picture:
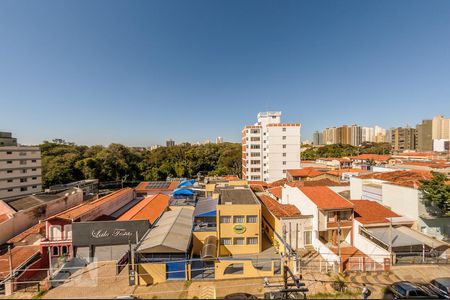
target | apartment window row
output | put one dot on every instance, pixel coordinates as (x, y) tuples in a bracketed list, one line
[(22, 171), (255, 139), (22, 161), (255, 154), (254, 177), (255, 170), (239, 241), (255, 162), (255, 147), (239, 219), (23, 189)]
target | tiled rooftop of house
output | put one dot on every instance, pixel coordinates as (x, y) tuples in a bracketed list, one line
[(370, 212), (375, 157), (149, 186), (276, 191), (342, 171), (20, 255), (150, 208), (320, 182), (305, 172), (324, 198), (39, 228), (410, 178), (430, 164), (277, 209), (82, 209)]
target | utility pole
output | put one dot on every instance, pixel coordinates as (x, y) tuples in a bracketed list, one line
[(10, 262)]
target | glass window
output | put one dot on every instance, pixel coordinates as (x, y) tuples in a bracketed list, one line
[(239, 241), (284, 146), (284, 137), (55, 251), (9, 171), (225, 241), (238, 219), (23, 189), (9, 162), (252, 241), (225, 219), (252, 219)]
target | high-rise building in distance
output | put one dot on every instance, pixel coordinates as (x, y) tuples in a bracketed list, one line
[(403, 138), (170, 143), (424, 136), (20, 169), (269, 148)]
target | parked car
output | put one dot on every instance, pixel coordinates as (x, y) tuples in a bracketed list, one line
[(409, 290), (441, 287)]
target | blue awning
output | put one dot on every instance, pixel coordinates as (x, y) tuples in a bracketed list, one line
[(186, 183), (183, 192)]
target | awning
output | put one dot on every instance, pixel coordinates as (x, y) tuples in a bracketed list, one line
[(209, 250), (183, 192), (187, 183)]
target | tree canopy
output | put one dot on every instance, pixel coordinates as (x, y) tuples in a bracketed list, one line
[(341, 150), (436, 194), (64, 162)]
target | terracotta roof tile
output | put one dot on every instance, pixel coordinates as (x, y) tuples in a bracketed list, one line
[(277, 209), (38, 228), (369, 212), (20, 255), (342, 171), (375, 157), (276, 191), (324, 198), (83, 208), (320, 182), (150, 208), (279, 182), (305, 172), (410, 178), (3, 218)]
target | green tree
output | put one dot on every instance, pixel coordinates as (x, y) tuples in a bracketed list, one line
[(436, 194)]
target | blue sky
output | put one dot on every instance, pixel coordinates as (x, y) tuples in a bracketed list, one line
[(140, 72)]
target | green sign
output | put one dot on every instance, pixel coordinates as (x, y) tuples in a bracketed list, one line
[(239, 229)]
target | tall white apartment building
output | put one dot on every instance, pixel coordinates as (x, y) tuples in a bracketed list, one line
[(368, 134), (20, 171), (441, 128), (269, 148)]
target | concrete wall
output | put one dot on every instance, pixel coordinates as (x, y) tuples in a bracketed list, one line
[(356, 188), (366, 246), (225, 230), (249, 271), (22, 220), (151, 273)]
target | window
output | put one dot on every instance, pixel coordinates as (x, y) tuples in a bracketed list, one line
[(255, 154), (33, 169), (284, 171), (255, 139), (255, 177), (254, 131), (9, 152), (255, 169), (55, 232), (284, 129), (23, 162), (23, 189), (239, 241), (307, 237), (9, 171), (284, 162), (238, 219), (225, 241), (55, 251), (33, 178), (23, 180), (284, 154), (252, 219), (68, 231), (255, 147), (284, 146), (64, 250), (33, 160), (34, 186), (255, 162), (22, 153), (284, 137), (252, 241), (225, 219), (10, 180), (9, 161), (10, 190), (24, 171)]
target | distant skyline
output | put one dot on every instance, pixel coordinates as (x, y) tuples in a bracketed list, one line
[(141, 72)]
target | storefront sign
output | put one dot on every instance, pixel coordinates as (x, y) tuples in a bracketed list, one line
[(105, 233), (239, 228)]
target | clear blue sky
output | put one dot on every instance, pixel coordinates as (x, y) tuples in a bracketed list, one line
[(140, 72)]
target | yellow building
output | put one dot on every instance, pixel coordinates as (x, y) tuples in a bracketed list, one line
[(238, 217)]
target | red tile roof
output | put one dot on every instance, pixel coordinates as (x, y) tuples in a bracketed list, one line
[(276, 191), (433, 165), (342, 171), (369, 212), (20, 255), (325, 198), (375, 157), (261, 183), (279, 182), (150, 208), (320, 182), (277, 209), (305, 172), (142, 186), (3, 218), (38, 228), (410, 178), (81, 209)]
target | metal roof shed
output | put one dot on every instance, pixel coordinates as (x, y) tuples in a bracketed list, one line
[(171, 234)]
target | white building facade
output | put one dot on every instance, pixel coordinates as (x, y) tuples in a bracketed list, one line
[(269, 148)]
